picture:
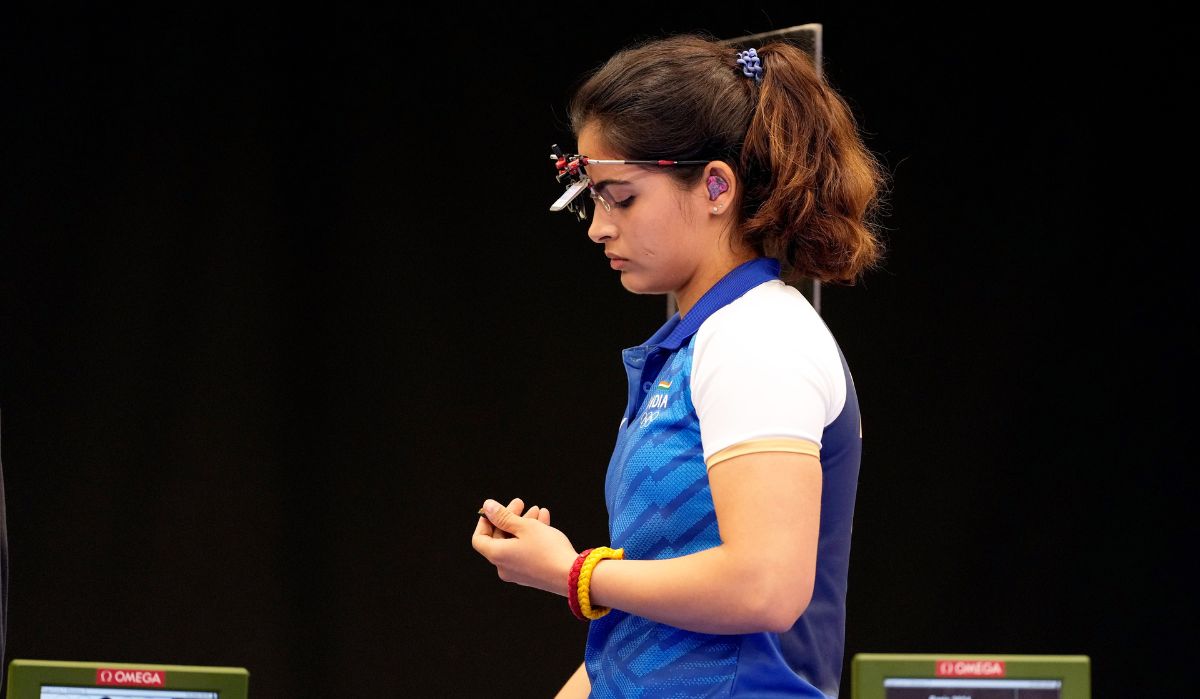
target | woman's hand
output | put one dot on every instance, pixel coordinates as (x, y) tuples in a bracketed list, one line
[(517, 506), (525, 550)]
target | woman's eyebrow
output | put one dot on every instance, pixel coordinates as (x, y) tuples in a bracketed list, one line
[(605, 183)]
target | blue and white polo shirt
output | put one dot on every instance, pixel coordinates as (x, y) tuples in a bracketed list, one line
[(752, 367)]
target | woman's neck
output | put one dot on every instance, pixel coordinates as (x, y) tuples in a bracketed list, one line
[(707, 278)]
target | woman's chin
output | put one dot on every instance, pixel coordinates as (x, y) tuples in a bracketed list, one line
[(639, 286)]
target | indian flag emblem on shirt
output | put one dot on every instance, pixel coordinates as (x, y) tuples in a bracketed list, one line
[(664, 384)]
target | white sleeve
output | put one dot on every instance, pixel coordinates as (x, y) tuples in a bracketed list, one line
[(765, 367)]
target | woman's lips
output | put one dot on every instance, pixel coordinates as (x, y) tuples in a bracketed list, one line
[(616, 262)]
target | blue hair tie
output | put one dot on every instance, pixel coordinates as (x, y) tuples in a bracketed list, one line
[(751, 64)]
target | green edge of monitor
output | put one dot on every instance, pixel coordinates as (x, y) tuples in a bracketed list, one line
[(869, 670), (26, 677)]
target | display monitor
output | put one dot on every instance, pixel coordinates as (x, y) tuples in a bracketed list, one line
[(969, 676), (64, 679)]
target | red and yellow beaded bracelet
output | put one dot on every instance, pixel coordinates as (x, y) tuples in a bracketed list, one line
[(579, 581)]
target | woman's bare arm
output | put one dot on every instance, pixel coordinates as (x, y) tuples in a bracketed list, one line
[(577, 687), (760, 578)]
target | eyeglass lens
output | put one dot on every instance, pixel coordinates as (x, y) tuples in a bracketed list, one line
[(598, 196)]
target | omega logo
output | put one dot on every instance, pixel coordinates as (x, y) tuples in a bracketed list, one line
[(136, 678)]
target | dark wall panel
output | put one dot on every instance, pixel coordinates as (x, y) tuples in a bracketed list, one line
[(281, 303)]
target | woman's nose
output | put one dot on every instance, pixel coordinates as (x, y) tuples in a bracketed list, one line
[(600, 230)]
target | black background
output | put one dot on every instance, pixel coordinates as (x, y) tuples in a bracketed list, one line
[(281, 303)]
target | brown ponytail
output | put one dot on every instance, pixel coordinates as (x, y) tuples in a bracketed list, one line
[(811, 186)]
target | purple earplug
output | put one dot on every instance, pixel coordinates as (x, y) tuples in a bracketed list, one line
[(716, 185)]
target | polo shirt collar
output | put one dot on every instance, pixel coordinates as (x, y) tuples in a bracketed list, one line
[(676, 331)]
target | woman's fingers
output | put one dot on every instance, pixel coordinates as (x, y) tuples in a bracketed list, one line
[(517, 506), (541, 514), (483, 527)]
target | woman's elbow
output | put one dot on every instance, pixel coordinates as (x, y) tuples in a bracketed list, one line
[(784, 615), (779, 601)]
